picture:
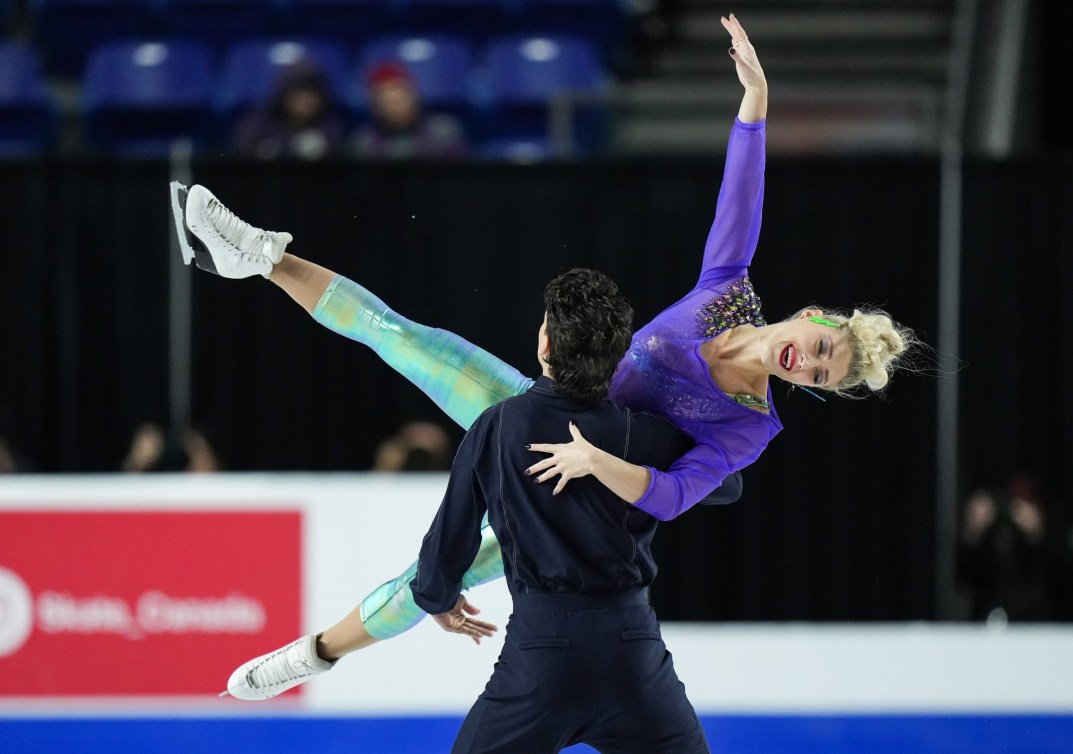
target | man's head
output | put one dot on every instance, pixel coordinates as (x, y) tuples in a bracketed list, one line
[(586, 331)]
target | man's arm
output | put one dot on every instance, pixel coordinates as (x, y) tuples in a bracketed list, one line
[(454, 538)]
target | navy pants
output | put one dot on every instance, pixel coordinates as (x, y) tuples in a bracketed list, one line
[(583, 668)]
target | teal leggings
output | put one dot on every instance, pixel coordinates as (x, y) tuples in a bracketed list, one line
[(462, 379)]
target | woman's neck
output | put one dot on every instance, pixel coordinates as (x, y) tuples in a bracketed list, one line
[(734, 358)]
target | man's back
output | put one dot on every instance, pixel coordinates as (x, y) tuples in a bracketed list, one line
[(583, 540), (583, 659)]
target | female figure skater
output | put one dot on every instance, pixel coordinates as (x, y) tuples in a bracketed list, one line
[(704, 364)]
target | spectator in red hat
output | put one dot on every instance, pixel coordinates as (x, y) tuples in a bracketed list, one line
[(399, 128)]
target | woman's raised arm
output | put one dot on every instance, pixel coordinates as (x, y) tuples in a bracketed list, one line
[(754, 104), (736, 229)]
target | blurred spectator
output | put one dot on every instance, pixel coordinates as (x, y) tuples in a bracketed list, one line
[(150, 450), (1006, 562), (300, 120), (399, 128), (418, 446), (10, 461)]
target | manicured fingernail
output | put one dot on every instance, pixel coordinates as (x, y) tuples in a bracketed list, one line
[(528, 447), (527, 472), (732, 51)]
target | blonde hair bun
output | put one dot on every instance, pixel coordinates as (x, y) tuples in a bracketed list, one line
[(877, 342)]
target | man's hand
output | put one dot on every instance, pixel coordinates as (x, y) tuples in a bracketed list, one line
[(456, 621), (571, 460)]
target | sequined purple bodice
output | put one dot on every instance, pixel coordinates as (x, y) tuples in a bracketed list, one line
[(664, 373)]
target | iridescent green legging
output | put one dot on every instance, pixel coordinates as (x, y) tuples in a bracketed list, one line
[(462, 379)]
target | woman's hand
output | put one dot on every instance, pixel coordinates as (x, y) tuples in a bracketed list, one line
[(570, 460), (579, 458), (754, 103), (750, 73)]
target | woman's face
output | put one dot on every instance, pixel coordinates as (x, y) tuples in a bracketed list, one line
[(807, 353)]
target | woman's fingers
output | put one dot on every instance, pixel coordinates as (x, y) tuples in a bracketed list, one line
[(541, 465), (543, 447), (733, 27), (558, 470), (554, 471), (738, 27)]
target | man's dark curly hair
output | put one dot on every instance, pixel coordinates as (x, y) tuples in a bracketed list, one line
[(589, 327)]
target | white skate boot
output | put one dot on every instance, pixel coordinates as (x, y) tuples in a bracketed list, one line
[(217, 240), (271, 674)]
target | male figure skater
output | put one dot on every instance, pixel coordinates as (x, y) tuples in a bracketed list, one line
[(583, 659)]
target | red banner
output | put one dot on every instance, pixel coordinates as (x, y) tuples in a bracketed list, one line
[(143, 602)]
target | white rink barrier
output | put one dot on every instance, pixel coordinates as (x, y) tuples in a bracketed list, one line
[(167, 567)]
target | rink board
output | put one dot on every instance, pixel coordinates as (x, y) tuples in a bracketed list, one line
[(105, 650)]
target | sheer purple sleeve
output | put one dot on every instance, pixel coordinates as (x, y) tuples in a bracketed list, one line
[(728, 448), (689, 480), (732, 239)]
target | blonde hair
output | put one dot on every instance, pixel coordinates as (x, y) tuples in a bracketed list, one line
[(876, 343)]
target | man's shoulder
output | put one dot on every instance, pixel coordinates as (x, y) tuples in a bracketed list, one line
[(494, 413)]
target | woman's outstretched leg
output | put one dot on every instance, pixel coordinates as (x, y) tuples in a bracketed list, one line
[(390, 610), (461, 378), (302, 280)]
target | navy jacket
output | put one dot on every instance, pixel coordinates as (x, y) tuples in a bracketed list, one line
[(585, 539)]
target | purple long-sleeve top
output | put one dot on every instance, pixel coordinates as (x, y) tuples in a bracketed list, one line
[(664, 373)]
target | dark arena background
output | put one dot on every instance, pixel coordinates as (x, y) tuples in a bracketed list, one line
[(853, 600)]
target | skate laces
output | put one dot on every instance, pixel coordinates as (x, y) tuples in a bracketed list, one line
[(234, 229), (279, 669)]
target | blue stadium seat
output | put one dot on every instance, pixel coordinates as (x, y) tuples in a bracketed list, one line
[(139, 97), (522, 151), (217, 21), (440, 67), (251, 69), (476, 20), (348, 21), (599, 21), (525, 73), (27, 118), (66, 30)]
